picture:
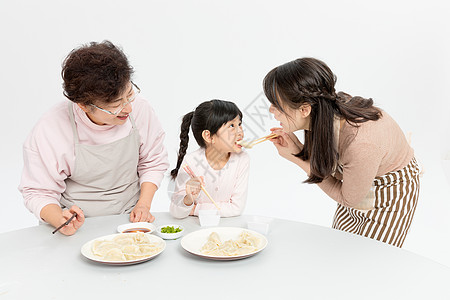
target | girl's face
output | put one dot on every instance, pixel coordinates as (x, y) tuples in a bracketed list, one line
[(293, 119), (98, 115), (226, 137)]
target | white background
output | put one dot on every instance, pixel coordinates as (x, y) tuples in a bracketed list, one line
[(187, 52)]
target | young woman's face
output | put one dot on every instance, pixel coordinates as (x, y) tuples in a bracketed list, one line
[(226, 137), (97, 114), (292, 120)]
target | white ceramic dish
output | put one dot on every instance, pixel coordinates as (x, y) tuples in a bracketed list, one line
[(208, 217), (86, 251), (170, 236), (194, 241), (138, 226)]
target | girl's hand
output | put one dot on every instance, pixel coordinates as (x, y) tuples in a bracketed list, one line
[(141, 213), (193, 188), (287, 144), (76, 222)]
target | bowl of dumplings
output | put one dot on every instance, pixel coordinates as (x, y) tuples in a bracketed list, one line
[(123, 248)]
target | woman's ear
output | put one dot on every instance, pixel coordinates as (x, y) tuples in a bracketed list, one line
[(305, 110), (206, 135)]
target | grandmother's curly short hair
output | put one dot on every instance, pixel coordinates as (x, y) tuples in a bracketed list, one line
[(95, 72)]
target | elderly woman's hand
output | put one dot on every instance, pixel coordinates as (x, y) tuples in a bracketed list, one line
[(141, 213), (76, 222)]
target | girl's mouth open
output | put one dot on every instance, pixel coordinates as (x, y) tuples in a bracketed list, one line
[(122, 117)]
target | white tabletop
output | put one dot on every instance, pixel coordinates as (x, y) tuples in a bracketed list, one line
[(301, 261)]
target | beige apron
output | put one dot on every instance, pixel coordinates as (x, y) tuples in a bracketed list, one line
[(104, 180)]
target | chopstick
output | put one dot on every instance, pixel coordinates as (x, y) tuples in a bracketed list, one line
[(264, 138), (191, 173), (65, 223)]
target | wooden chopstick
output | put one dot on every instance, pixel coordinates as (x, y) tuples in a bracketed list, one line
[(191, 173), (65, 223), (209, 196), (264, 138)]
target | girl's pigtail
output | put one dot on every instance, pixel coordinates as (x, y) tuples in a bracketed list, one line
[(184, 142)]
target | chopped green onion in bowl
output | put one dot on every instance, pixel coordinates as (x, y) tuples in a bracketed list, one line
[(170, 229)]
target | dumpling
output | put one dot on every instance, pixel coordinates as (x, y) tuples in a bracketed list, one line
[(249, 239), (214, 238), (100, 248), (149, 249), (246, 243), (141, 238), (124, 239), (131, 249), (127, 246), (114, 254)]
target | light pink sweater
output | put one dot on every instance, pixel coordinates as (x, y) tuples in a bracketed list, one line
[(373, 149), (49, 150), (228, 186)]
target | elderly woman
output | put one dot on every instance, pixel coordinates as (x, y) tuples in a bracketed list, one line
[(102, 152)]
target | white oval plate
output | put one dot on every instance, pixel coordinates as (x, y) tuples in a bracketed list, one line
[(136, 226), (194, 241), (86, 250)]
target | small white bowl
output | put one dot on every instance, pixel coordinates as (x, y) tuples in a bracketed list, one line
[(136, 227), (208, 217), (259, 223), (170, 236)]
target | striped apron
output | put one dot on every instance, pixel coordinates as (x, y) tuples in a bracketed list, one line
[(396, 194)]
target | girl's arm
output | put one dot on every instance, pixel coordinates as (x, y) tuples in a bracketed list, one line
[(180, 204)]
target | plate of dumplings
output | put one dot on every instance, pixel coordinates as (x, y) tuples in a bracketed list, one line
[(123, 248)]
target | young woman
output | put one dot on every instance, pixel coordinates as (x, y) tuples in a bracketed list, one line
[(355, 152), (100, 153), (219, 163)]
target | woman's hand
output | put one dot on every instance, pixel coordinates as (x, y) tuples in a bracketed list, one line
[(193, 188), (287, 144), (76, 222), (141, 213)]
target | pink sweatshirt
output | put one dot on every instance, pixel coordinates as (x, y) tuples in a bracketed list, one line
[(228, 186), (49, 155)]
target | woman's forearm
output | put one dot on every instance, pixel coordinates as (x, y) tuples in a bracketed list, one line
[(305, 165), (52, 214), (148, 190)]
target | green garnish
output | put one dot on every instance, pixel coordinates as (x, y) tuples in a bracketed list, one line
[(170, 229)]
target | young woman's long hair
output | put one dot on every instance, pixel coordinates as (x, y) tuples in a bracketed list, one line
[(209, 115), (310, 81)]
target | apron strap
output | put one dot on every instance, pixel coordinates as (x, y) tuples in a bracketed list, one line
[(72, 122), (132, 122)]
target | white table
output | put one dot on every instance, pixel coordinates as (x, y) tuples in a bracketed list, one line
[(301, 261)]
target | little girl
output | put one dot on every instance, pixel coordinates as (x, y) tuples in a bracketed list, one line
[(219, 163)]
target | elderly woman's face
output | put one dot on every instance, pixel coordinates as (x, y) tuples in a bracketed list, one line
[(108, 113)]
